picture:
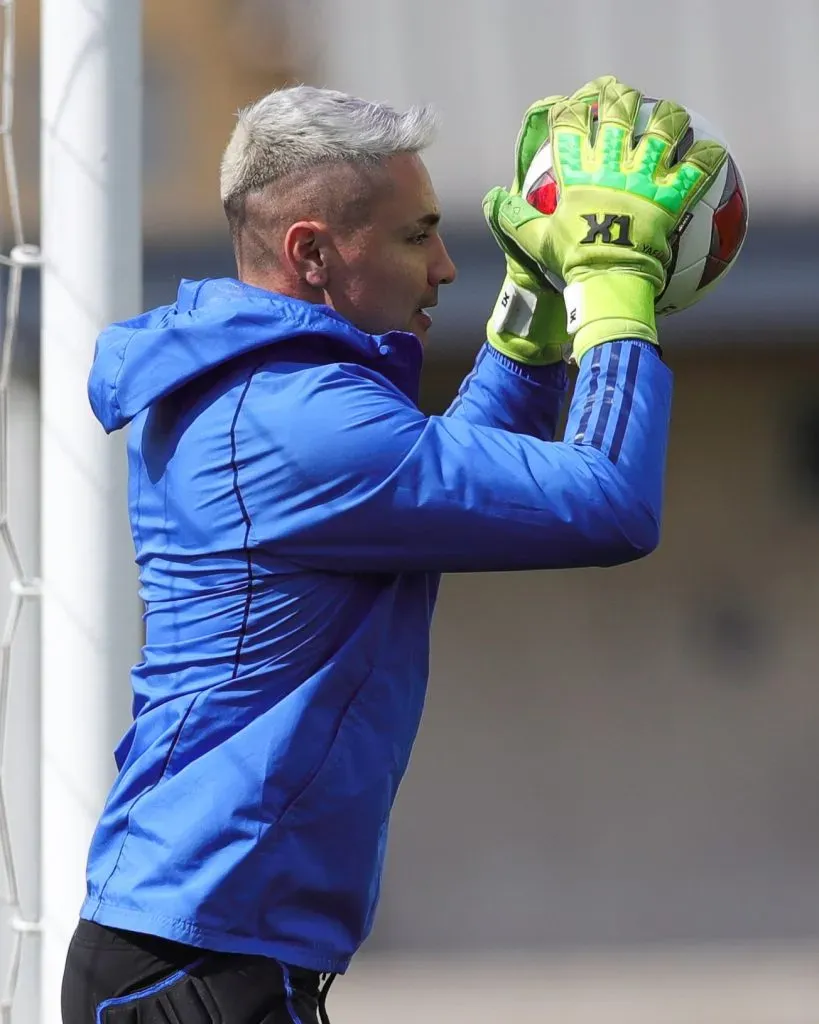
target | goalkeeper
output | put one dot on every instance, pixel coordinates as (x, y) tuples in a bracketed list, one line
[(292, 511)]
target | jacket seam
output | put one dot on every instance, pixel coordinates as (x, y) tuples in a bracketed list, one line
[(150, 789), (237, 490), (290, 806)]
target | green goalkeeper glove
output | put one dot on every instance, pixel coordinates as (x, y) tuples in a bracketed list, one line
[(528, 323), (619, 205)]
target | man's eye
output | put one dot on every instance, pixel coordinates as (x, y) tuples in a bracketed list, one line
[(420, 239)]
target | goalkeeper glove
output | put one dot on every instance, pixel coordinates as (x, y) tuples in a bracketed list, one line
[(619, 204), (528, 322)]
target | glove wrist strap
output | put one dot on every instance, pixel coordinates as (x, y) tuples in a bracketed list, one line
[(607, 306), (521, 325)]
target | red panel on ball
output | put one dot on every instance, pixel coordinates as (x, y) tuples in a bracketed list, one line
[(728, 228), (544, 195), (731, 221)]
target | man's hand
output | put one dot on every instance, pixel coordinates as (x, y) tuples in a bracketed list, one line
[(619, 205), (528, 323)]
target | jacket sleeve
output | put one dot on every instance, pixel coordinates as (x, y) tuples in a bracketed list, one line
[(373, 485), (500, 392)]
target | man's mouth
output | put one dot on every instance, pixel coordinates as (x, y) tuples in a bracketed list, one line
[(424, 317)]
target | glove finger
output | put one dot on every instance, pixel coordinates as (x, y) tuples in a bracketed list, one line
[(669, 122), (534, 132), (505, 213), (694, 175), (683, 184), (707, 155), (666, 127), (570, 126), (491, 204), (571, 114), (619, 105), (591, 90), (618, 108), (540, 105)]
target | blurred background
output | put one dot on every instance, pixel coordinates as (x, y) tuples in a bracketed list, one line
[(612, 813)]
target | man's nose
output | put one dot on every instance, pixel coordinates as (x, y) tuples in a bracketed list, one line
[(443, 270)]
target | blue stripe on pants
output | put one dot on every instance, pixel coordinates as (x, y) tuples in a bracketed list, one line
[(288, 991), (152, 990)]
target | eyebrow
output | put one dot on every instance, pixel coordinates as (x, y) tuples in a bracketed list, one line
[(429, 221)]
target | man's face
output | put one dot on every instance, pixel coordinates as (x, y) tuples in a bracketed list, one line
[(386, 272)]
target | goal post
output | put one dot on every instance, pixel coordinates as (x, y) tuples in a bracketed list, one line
[(91, 240)]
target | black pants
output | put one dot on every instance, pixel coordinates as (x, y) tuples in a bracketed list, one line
[(114, 976)]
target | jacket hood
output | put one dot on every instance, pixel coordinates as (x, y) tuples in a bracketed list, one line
[(139, 361)]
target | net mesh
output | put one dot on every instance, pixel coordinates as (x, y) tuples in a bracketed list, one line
[(19, 256)]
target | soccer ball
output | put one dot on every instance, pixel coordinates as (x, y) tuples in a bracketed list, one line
[(710, 236)]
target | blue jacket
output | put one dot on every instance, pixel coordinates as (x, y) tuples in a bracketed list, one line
[(292, 510)]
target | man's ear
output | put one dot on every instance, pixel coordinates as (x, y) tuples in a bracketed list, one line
[(306, 246)]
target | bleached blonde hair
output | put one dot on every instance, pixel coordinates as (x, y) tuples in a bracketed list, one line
[(296, 129)]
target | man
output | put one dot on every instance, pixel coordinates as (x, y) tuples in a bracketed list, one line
[(292, 510)]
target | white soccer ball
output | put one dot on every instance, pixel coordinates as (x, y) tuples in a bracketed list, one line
[(710, 235)]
